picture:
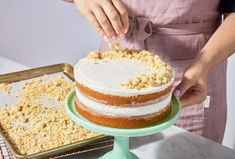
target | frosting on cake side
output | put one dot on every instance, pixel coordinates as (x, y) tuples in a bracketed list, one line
[(123, 111)]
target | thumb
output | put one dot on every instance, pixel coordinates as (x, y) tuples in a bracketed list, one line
[(183, 86)]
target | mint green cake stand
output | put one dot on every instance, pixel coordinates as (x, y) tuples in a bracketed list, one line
[(121, 136)]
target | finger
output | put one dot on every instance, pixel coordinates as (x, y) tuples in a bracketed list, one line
[(123, 13), (192, 97), (104, 21), (183, 86), (189, 100), (92, 19), (114, 17)]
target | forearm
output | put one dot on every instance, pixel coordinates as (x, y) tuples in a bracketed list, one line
[(221, 45)]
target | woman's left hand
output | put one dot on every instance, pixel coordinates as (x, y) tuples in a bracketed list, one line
[(193, 87)]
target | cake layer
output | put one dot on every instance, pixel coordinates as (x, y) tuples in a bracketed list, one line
[(130, 111), (121, 122), (106, 76), (123, 100)]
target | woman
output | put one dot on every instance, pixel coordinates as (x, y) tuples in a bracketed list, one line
[(187, 34)]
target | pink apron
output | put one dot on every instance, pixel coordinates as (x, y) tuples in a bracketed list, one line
[(177, 30)]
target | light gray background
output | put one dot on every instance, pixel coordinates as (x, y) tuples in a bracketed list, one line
[(36, 33)]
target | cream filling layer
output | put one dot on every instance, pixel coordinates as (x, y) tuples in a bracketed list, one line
[(106, 76), (111, 110)]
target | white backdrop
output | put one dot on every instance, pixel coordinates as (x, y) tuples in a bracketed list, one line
[(42, 32)]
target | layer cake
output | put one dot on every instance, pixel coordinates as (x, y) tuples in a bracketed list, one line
[(123, 89)]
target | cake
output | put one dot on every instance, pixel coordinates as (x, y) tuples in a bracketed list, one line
[(123, 89)]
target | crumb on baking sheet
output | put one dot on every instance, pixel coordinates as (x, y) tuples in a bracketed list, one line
[(31, 127), (5, 88)]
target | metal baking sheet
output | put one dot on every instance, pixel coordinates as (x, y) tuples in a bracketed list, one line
[(52, 71)]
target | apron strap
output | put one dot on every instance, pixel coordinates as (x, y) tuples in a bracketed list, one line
[(141, 28)]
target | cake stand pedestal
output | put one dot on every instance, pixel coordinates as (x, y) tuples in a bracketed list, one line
[(121, 136)]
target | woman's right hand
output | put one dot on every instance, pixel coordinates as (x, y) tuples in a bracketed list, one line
[(108, 17)]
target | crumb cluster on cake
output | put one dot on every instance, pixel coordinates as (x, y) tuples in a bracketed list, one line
[(162, 72), (123, 88)]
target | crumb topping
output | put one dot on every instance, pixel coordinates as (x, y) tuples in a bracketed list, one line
[(5, 88), (162, 72), (32, 127)]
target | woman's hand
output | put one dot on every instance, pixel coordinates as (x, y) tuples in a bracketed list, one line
[(193, 87), (108, 17)]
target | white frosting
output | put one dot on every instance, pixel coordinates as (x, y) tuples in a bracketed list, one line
[(106, 76), (111, 110)]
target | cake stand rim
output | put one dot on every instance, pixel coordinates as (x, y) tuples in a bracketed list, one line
[(149, 130)]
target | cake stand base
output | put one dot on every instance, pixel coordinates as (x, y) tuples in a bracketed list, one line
[(110, 155), (121, 136), (120, 150)]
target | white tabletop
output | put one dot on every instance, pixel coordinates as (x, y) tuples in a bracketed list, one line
[(173, 143), (7, 66)]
